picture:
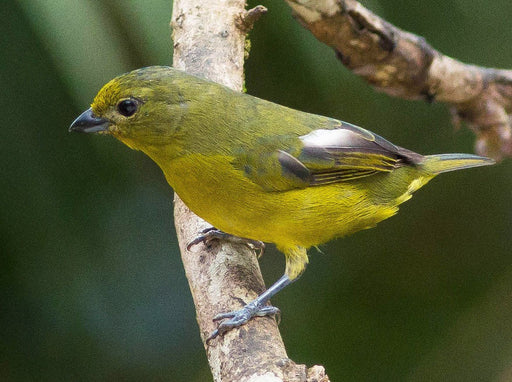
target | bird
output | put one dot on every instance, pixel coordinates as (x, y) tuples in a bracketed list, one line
[(258, 170)]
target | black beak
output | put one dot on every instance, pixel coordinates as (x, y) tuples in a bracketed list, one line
[(88, 123)]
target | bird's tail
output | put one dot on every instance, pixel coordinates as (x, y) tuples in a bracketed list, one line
[(437, 164)]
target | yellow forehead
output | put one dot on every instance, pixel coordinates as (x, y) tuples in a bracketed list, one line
[(109, 94)]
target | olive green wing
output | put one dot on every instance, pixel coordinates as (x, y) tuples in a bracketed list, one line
[(323, 156)]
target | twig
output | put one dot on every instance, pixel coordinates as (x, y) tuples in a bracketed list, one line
[(404, 65), (248, 18)]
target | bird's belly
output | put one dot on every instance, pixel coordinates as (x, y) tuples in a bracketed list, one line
[(304, 217)]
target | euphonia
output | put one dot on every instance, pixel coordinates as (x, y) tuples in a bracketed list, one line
[(259, 170)]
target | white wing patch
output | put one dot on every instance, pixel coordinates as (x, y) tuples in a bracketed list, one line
[(333, 138)]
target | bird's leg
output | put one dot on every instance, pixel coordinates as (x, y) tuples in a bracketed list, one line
[(256, 308), (296, 261), (209, 234)]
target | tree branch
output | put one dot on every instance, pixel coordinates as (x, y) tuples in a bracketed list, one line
[(404, 65), (209, 41)]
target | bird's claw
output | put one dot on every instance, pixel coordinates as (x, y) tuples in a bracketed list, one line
[(256, 245), (209, 234), (205, 237), (240, 317)]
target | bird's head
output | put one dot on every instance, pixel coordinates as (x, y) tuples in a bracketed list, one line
[(142, 108)]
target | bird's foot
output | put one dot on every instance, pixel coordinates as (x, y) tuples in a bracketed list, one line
[(240, 317), (209, 234)]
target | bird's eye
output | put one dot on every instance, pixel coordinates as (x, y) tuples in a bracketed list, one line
[(127, 107)]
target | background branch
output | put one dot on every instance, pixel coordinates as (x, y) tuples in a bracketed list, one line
[(209, 41), (404, 65)]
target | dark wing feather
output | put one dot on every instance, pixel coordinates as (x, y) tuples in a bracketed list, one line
[(350, 152), (341, 152)]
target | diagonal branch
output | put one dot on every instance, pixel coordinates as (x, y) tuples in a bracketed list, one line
[(404, 65)]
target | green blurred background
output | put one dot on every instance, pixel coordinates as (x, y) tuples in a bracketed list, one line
[(92, 286)]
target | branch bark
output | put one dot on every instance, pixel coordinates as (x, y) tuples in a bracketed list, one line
[(209, 41), (404, 65)]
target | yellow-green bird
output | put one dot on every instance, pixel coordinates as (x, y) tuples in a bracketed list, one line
[(259, 170)]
